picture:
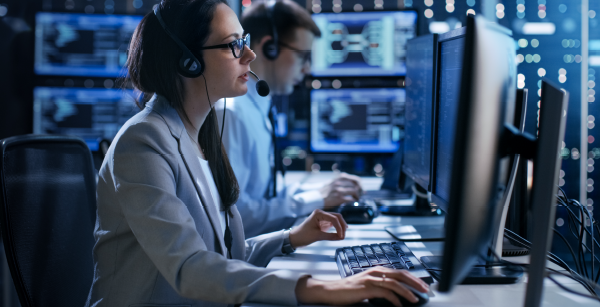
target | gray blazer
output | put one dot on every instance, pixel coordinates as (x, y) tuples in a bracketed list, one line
[(158, 239)]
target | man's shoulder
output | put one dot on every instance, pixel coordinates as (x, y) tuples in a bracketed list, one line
[(239, 108)]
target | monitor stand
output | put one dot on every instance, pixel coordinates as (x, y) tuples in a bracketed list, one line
[(479, 275)]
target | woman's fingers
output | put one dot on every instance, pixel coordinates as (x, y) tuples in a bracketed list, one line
[(402, 276), (341, 218), (335, 222), (378, 289)]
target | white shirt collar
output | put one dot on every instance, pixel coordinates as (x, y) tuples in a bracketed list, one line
[(262, 103)]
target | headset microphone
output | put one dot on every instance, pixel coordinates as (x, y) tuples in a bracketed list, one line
[(262, 88)]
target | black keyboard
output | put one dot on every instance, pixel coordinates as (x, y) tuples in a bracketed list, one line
[(395, 255)]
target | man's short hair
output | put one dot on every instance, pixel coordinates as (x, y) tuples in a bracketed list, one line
[(287, 16)]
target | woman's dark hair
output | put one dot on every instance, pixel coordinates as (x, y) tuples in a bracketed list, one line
[(152, 65)]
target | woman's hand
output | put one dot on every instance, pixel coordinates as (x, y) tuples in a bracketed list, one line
[(356, 288), (314, 229)]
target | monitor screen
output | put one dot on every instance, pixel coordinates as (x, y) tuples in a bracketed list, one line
[(362, 44), (356, 120), (419, 108), (450, 70), (82, 44), (91, 114)]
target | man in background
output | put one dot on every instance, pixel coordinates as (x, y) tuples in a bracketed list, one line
[(282, 34)]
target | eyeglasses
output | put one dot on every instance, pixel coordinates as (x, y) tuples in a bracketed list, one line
[(305, 55), (237, 46)]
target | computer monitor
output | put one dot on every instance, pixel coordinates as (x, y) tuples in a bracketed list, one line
[(356, 120), (92, 114), (362, 44), (546, 159), (469, 176), (82, 44), (420, 81), (451, 49)]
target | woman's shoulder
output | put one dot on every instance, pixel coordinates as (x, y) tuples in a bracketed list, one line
[(146, 131)]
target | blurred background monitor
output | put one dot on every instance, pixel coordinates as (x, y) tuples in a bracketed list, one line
[(82, 44), (420, 80), (362, 44), (356, 120), (91, 114)]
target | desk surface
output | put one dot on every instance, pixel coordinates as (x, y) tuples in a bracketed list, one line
[(318, 260)]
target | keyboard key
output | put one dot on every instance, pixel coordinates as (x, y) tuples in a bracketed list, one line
[(356, 271), (393, 258), (398, 266), (387, 248), (358, 251), (370, 255), (379, 253)]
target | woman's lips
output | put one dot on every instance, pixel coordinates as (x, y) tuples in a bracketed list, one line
[(244, 77)]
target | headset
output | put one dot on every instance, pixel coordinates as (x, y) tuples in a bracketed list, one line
[(189, 66), (271, 47), (192, 67)]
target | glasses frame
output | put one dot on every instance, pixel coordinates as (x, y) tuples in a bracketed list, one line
[(244, 41), (307, 54)]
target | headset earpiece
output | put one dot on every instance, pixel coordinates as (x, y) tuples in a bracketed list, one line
[(189, 66), (271, 47)]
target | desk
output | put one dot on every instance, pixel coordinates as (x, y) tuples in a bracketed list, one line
[(318, 260)]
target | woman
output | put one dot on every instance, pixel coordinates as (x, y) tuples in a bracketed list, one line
[(166, 192)]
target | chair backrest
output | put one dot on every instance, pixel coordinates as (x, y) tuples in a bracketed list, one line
[(47, 215)]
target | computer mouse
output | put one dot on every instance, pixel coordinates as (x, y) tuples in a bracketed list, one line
[(358, 212), (423, 299)]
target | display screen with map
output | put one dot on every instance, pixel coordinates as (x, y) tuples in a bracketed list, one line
[(362, 44), (92, 114), (82, 44), (356, 120)]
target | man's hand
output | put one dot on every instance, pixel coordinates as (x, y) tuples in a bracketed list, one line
[(343, 189)]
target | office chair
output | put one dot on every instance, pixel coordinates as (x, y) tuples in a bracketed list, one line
[(47, 217)]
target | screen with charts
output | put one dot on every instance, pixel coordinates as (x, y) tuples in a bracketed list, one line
[(356, 120), (91, 114), (451, 60), (82, 44), (365, 43), (419, 108)]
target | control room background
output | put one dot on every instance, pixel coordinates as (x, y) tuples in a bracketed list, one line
[(551, 37)]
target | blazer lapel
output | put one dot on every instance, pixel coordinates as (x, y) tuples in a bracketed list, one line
[(189, 157)]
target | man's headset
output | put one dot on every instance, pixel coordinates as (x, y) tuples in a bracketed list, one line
[(191, 67), (271, 47)]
